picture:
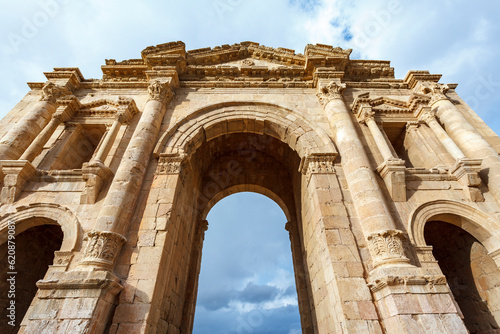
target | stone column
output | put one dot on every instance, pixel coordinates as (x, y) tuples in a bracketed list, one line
[(194, 274), (429, 117), (95, 172), (392, 169), (25, 131), (124, 113), (470, 142), (119, 203), (63, 113), (386, 242), (367, 117)]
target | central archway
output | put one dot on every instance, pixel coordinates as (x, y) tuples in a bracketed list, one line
[(262, 148), (246, 280)]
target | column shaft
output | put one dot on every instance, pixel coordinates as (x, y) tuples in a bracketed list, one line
[(108, 141), (25, 131), (445, 139), (471, 143), (119, 203), (373, 212), (379, 138), (37, 145)]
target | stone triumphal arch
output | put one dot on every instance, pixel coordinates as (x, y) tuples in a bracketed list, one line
[(110, 181)]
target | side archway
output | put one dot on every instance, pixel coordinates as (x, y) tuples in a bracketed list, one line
[(477, 223), (47, 214)]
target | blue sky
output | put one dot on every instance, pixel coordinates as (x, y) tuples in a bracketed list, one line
[(458, 39), (246, 281)]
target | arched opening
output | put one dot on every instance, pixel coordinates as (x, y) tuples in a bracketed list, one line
[(239, 147), (246, 281), (34, 252), (471, 273)]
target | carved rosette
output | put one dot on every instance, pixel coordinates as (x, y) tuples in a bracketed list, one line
[(330, 92), (387, 247), (436, 91), (51, 92), (102, 248), (317, 164), (160, 92)]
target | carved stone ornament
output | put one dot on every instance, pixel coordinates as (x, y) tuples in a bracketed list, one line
[(102, 248), (436, 90), (51, 92), (330, 92), (317, 164), (428, 116), (380, 283), (159, 91), (387, 247), (366, 115), (412, 126), (170, 164), (248, 62)]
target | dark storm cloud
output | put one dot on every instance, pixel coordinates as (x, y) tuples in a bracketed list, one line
[(255, 294)]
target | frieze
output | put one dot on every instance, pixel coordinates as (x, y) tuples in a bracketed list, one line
[(317, 164), (380, 283), (170, 164)]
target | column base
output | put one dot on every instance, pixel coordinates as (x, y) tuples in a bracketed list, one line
[(410, 301), (95, 175), (16, 174), (74, 301), (393, 173), (467, 173)]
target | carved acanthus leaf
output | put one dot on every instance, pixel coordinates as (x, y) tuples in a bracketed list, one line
[(160, 92), (51, 92), (330, 92), (387, 246), (102, 247), (436, 91)]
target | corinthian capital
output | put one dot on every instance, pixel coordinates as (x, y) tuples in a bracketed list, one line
[(366, 115), (51, 92), (102, 248), (387, 247), (159, 91), (436, 90), (428, 116), (331, 91)]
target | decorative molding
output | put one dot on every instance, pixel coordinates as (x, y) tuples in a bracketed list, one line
[(62, 259), (317, 164), (366, 114), (95, 174), (171, 164), (412, 126), (380, 283), (330, 92), (102, 248), (435, 90), (51, 92), (387, 247), (17, 174)]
